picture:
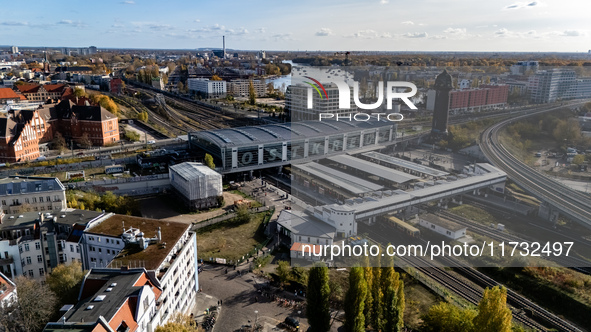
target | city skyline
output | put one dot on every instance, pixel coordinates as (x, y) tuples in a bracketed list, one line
[(427, 25)]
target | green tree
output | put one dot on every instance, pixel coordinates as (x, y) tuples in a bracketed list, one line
[(35, 304), (376, 294), (578, 159), (493, 313), (252, 94), (368, 274), (179, 323), (282, 271), (317, 309), (355, 301), (243, 216), (209, 161), (445, 317), (391, 314), (65, 281), (79, 92)]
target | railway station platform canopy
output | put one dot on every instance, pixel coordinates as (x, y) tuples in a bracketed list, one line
[(338, 179), (405, 164), (256, 147), (373, 169)]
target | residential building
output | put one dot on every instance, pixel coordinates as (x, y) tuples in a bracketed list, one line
[(27, 194), (7, 291), (14, 49), (8, 96), (211, 89), (33, 243), (240, 88), (296, 102), (523, 67), (473, 100), (36, 92), (114, 300), (22, 131), (167, 250), (197, 185)]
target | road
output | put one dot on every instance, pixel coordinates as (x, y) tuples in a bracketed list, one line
[(569, 202)]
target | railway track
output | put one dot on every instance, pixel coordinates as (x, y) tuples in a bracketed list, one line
[(570, 202), (468, 292), (573, 263)]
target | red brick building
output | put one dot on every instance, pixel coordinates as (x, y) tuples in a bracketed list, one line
[(21, 132), (475, 100), (36, 92)]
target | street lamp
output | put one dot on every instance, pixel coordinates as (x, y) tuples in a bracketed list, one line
[(256, 317)]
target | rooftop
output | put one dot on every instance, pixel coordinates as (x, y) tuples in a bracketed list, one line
[(374, 169), (106, 291), (6, 287), (8, 93), (151, 257), (190, 170), (343, 180), (405, 164), (277, 133), (302, 224), (13, 185), (447, 224)]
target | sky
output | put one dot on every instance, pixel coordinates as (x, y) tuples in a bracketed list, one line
[(341, 25)]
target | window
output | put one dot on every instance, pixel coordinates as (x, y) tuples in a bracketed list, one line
[(26, 247), (39, 259), (29, 261), (41, 199), (37, 246), (31, 273), (100, 250), (41, 271), (433, 226), (71, 248)]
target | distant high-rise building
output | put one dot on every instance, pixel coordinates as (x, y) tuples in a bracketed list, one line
[(14, 49), (296, 102), (443, 85), (551, 85), (224, 45), (522, 67), (92, 50)]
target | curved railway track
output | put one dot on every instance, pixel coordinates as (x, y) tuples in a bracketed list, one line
[(570, 202)]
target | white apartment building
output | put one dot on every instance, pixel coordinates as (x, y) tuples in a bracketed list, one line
[(296, 102), (27, 194), (168, 250), (240, 88), (211, 89)]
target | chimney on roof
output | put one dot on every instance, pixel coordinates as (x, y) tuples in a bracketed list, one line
[(159, 234)]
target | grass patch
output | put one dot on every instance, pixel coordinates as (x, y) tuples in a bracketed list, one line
[(230, 239), (473, 213)]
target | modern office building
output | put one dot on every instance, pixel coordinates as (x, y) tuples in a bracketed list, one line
[(251, 148), (210, 89), (551, 85)]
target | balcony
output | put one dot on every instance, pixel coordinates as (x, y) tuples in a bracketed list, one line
[(6, 261)]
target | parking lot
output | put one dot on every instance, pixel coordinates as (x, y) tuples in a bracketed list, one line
[(240, 298)]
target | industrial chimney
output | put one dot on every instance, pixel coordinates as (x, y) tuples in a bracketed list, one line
[(224, 44)]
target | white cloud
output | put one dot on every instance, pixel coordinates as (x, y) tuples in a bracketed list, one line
[(519, 5), (572, 33), (159, 27), (407, 23), (282, 36), (14, 23), (384, 2), (261, 30), (323, 32), (455, 31), (364, 34), (196, 20), (76, 24), (416, 35), (127, 2)]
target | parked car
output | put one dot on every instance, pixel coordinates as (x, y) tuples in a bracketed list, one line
[(151, 142), (292, 322)]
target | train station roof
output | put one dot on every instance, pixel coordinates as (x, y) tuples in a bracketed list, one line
[(406, 164), (282, 132), (374, 169), (346, 181)]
